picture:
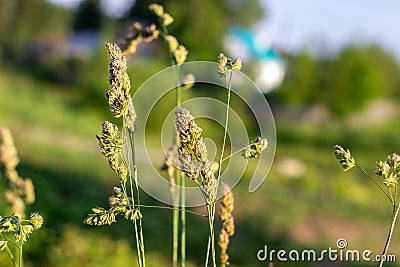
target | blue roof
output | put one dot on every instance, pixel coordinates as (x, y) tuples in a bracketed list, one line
[(247, 38)]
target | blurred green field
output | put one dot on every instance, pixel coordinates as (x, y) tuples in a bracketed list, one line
[(307, 205)]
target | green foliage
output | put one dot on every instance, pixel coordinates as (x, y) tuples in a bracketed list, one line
[(61, 154), (344, 82), (301, 79), (355, 78), (22, 21), (88, 16)]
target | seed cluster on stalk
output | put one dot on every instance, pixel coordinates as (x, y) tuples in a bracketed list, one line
[(192, 154), (228, 223)]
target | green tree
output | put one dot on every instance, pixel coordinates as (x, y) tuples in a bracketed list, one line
[(357, 75), (344, 82), (88, 16), (301, 79), (21, 21)]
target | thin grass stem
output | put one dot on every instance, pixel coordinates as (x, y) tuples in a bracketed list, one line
[(178, 100), (234, 153), (211, 244), (20, 260), (134, 227), (212, 208), (177, 195), (171, 208), (389, 238), (175, 222), (380, 187), (226, 124), (10, 254), (208, 251), (183, 221), (133, 180)]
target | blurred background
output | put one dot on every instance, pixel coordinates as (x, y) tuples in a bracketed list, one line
[(330, 71)]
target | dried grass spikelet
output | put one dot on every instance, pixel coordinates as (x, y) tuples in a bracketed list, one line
[(8, 152), (254, 149), (225, 64), (20, 191), (157, 9), (345, 158), (180, 54), (189, 167), (389, 170), (150, 33), (29, 191), (111, 146), (119, 205), (20, 229), (192, 154), (172, 43), (136, 34), (164, 18), (118, 96), (228, 224), (133, 38), (169, 165), (36, 220), (178, 51), (188, 81)]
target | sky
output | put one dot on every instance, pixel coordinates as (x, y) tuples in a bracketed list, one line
[(314, 24)]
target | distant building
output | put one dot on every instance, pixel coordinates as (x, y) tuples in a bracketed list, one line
[(271, 67)]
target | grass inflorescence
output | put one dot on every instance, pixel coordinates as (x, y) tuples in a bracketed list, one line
[(15, 229), (186, 157), (389, 171)]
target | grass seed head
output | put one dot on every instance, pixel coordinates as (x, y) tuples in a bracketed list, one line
[(345, 158), (166, 19), (8, 151), (157, 9), (225, 65), (254, 149), (228, 224)]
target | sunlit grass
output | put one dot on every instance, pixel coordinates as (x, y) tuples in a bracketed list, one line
[(59, 152)]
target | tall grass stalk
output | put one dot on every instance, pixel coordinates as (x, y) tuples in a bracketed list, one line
[(225, 68), (10, 254), (177, 54), (20, 260), (20, 192), (389, 238), (389, 170), (119, 149), (133, 180), (175, 194), (211, 209), (181, 178)]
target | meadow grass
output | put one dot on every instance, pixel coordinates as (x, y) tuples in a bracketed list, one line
[(322, 192), (60, 153)]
